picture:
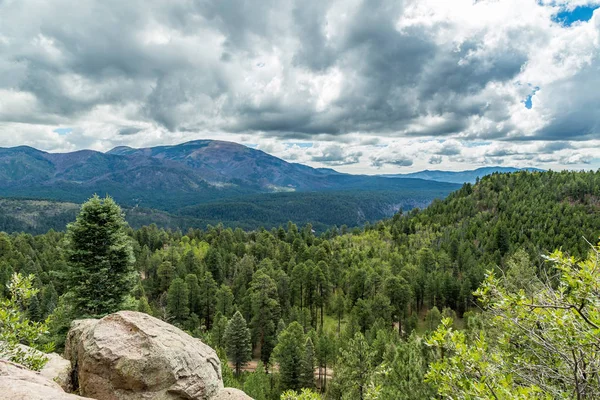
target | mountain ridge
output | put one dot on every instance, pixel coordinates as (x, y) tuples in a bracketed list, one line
[(177, 179), (465, 176)]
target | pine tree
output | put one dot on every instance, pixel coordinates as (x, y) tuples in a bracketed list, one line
[(208, 291), (49, 300), (353, 369), (34, 310), (324, 351), (238, 342), (280, 327), (433, 318), (100, 258), (178, 301), (399, 292), (257, 384), (307, 375), (166, 273), (143, 305), (214, 263), (265, 308), (224, 303), (407, 364), (195, 295), (217, 333), (339, 307), (6, 271), (289, 353), (521, 274), (502, 238)]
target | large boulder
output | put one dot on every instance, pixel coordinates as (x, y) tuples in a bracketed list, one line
[(133, 356), (19, 383)]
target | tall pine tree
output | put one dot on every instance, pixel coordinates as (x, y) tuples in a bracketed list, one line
[(238, 342), (307, 375), (100, 258), (178, 301), (289, 353)]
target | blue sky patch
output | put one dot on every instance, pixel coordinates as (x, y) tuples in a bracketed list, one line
[(63, 131), (569, 17), (529, 99)]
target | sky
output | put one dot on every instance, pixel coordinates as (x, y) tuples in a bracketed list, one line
[(362, 86)]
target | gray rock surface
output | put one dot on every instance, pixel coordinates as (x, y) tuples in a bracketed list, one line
[(56, 369), (133, 356), (231, 394), (19, 383)]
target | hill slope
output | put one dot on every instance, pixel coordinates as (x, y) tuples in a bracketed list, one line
[(205, 172)]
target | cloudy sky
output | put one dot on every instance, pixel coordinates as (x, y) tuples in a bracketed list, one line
[(370, 86)]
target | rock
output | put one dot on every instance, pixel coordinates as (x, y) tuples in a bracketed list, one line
[(231, 394), (133, 356), (19, 383), (56, 369)]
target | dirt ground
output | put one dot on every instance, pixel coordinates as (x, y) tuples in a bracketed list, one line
[(251, 367)]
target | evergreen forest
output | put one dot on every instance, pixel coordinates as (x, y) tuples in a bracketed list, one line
[(476, 296)]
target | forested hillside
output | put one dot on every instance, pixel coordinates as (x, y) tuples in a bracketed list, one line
[(195, 178), (320, 209), (356, 302)]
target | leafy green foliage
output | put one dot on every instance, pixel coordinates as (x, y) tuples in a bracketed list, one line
[(305, 394), (257, 383), (540, 345), (401, 374), (17, 329)]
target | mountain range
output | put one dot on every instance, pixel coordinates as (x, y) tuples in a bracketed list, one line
[(209, 181), (469, 176)]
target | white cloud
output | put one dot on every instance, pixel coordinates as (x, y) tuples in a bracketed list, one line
[(393, 86)]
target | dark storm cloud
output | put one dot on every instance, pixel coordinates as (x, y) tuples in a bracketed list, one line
[(335, 155), (551, 147), (449, 149), (242, 66), (130, 130), (435, 160), (398, 160), (503, 152)]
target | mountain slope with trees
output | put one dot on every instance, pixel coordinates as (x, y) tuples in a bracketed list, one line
[(171, 177), (203, 182), (362, 302)]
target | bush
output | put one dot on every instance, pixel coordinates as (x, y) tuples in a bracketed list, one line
[(17, 329)]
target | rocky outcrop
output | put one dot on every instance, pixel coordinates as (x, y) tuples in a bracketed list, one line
[(231, 394), (133, 356), (58, 370), (19, 383)]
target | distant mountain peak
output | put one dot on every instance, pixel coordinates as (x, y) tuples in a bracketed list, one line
[(119, 149), (467, 176), (22, 149)]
